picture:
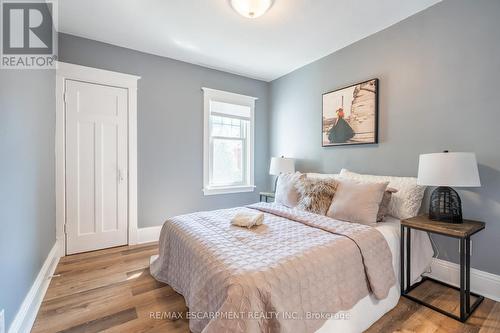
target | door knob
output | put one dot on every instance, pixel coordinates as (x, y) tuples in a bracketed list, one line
[(120, 175)]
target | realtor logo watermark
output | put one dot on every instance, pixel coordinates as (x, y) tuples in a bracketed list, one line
[(29, 34)]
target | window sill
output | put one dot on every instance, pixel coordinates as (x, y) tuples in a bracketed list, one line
[(211, 190)]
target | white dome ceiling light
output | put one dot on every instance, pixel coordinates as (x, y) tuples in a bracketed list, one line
[(251, 8)]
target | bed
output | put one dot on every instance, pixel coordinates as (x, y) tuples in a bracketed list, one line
[(298, 272)]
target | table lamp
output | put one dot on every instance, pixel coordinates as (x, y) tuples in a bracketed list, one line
[(281, 165), (445, 170)]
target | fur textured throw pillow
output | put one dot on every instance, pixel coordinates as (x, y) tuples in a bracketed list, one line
[(316, 194), (384, 205)]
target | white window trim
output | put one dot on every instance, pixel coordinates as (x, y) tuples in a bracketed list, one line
[(232, 98)]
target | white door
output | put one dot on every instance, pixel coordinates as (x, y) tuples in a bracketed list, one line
[(96, 166)]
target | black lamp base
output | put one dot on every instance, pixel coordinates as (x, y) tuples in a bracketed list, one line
[(445, 205)]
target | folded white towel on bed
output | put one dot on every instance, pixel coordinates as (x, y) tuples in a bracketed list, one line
[(247, 219)]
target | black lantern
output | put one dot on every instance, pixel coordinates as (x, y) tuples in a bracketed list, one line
[(445, 205)]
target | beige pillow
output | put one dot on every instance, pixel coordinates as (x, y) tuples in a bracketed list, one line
[(316, 194), (406, 202), (286, 190), (384, 205), (357, 202)]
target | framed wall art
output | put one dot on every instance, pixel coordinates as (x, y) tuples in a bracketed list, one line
[(350, 115)]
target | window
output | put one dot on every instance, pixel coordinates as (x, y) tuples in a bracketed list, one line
[(228, 142)]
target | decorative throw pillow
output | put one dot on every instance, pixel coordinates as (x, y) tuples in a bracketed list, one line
[(406, 202), (356, 201), (316, 194), (384, 205), (286, 189)]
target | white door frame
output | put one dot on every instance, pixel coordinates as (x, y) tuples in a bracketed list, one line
[(66, 71)]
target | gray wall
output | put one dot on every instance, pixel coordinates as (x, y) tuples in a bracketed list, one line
[(439, 85), (27, 192), (170, 126), (438, 75)]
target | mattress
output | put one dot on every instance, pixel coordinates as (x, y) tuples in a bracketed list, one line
[(368, 310)]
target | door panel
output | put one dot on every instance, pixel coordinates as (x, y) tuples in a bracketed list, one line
[(109, 176), (86, 174), (96, 166)]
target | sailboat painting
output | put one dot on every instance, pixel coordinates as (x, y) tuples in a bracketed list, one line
[(350, 115)]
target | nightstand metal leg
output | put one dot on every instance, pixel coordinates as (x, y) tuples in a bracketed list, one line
[(408, 258), (467, 275), (402, 260), (462, 279)]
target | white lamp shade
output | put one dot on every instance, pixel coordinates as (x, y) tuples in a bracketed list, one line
[(448, 169), (281, 165)]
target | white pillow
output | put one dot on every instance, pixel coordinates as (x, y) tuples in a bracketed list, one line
[(286, 189), (405, 203), (356, 201)]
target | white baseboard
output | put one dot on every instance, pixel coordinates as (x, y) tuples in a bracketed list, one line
[(483, 283), (147, 235), (25, 317)]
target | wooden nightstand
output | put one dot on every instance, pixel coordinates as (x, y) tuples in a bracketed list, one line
[(463, 232), (266, 196)]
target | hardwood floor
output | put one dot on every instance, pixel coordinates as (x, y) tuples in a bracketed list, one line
[(112, 291)]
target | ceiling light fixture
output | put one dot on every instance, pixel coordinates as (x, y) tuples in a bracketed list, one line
[(251, 8)]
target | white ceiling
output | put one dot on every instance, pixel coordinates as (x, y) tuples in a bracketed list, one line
[(209, 33)]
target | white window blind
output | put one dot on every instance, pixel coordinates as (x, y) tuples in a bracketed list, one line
[(230, 110)]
